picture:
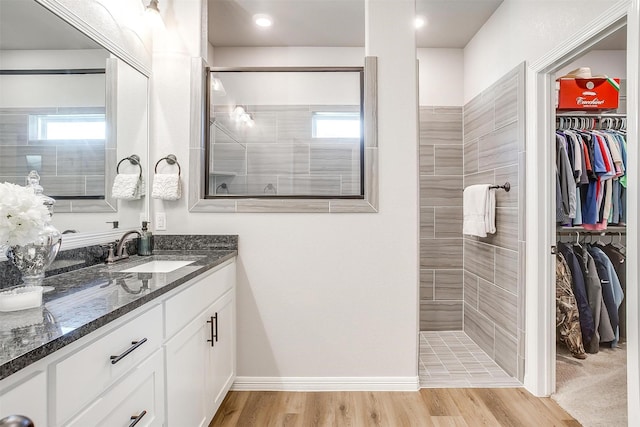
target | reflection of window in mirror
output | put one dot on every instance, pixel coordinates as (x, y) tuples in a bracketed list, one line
[(286, 133)]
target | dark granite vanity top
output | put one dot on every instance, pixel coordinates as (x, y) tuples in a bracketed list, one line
[(84, 300)]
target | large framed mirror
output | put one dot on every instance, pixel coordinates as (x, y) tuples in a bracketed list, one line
[(73, 104)]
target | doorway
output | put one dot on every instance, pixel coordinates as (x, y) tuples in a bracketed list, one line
[(541, 332)]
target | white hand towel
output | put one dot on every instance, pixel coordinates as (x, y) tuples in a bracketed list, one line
[(125, 186), (479, 210), (166, 186)]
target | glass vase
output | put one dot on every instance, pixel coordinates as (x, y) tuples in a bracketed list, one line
[(33, 259)]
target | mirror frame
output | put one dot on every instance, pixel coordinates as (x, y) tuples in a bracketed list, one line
[(91, 18), (196, 198)]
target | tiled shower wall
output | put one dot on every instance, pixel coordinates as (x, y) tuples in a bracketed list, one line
[(494, 281), (441, 243), (279, 156), (66, 167)]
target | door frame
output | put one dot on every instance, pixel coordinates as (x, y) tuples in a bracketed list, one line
[(540, 219)]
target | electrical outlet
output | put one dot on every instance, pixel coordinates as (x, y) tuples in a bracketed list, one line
[(161, 221)]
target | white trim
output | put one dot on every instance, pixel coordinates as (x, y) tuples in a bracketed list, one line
[(540, 314), (326, 384)]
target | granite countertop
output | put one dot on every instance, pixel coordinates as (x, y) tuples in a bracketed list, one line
[(86, 299)]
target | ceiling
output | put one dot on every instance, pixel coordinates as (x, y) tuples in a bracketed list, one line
[(450, 23), (26, 25)]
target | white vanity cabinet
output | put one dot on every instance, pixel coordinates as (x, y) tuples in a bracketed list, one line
[(167, 363), (200, 356), (25, 394)]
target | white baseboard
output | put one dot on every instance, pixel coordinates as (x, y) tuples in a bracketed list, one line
[(326, 384)]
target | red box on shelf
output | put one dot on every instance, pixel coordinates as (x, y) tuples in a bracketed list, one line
[(588, 94)]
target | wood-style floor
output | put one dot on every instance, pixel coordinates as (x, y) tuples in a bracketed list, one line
[(428, 407)]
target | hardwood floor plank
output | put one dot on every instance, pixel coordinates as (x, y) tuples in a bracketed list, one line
[(426, 408), (439, 402), (472, 408), (450, 422)]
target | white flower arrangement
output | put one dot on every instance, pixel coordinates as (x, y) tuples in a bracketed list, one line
[(22, 215)]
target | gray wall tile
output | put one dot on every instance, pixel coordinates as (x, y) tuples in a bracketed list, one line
[(13, 159), (448, 284), (229, 157), (81, 159), (277, 159), (440, 316), (426, 284), (498, 148), (442, 128), (309, 185), (427, 159), (470, 162), (506, 106), (332, 159), (14, 129), (427, 223), (506, 235), (507, 270), (470, 289), (478, 117), (448, 160), (66, 185), (448, 222), (479, 259), (486, 177), (480, 329), (506, 352), (441, 253), (498, 305), (293, 126), (440, 191), (507, 199)]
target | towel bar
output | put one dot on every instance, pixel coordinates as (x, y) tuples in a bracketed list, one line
[(506, 187), (134, 159), (171, 159)]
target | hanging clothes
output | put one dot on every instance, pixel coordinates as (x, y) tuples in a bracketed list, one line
[(567, 317), (595, 160)]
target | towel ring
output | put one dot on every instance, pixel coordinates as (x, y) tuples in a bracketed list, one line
[(134, 159), (171, 159)]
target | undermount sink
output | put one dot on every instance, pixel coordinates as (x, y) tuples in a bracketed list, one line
[(157, 266)]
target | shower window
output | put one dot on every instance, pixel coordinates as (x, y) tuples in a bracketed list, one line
[(285, 133)]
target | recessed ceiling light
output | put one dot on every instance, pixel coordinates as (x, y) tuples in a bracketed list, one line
[(262, 20), (420, 21)]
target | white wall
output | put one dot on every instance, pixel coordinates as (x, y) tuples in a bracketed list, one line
[(522, 30), (319, 295), (441, 77), (612, 63)]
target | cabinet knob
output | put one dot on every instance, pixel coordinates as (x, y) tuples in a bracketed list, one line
[(16, 421)]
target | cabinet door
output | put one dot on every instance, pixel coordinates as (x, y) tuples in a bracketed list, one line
[(221, 358), (185, 377), (138, 396), (27, 397)]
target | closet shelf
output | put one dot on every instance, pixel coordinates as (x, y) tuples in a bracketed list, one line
[(615, 229)]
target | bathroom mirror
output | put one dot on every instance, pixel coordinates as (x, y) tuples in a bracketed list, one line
[(73, 103)]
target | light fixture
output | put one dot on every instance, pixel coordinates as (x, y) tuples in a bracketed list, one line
[(241, 117), (152, 7), (262, 20), (420, 22), (217, 88)]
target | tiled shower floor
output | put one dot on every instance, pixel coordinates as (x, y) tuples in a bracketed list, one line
[(452, 360)]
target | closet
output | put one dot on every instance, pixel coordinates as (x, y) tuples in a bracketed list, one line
[(590, 269)]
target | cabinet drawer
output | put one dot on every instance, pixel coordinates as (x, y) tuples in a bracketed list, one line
[(186, 305), (81, 377), (138, 394)]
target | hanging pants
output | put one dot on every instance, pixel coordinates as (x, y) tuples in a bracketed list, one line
[(567, 318)]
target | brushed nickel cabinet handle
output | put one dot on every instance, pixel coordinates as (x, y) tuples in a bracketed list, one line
[(134, 345)]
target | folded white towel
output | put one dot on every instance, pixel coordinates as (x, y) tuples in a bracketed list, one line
[(479, 210), (126, 186), (166, 186)]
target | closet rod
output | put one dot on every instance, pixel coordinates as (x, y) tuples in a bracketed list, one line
[(591, 232), (592, 115)]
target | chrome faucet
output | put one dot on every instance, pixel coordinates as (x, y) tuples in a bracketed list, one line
[(120, 251), (121, 248)]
